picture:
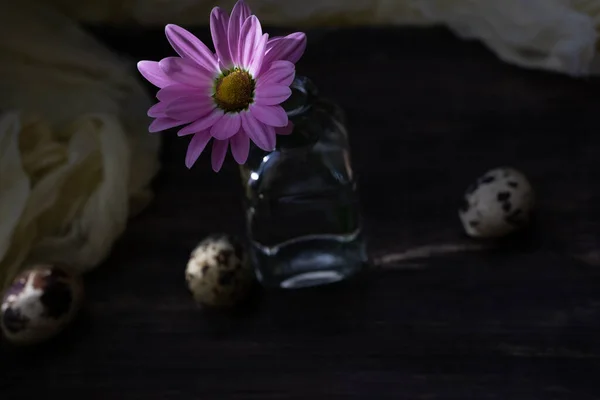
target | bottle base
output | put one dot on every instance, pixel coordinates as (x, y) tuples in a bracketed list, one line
[(311, 279), (310, 261)]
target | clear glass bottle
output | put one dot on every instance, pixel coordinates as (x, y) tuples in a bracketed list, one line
[(302, 210)]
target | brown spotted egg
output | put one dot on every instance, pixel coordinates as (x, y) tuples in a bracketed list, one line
[(39, 303), (218, 273), (498, 203)]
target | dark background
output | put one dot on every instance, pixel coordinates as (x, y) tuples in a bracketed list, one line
[(427, 114)]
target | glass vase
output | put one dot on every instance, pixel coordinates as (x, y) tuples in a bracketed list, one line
[(302, 210)]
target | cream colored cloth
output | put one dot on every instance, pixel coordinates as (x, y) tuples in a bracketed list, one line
[(76, 159), (557, 35)]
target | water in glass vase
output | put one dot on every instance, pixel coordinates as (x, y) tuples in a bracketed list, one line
[(302, 209)]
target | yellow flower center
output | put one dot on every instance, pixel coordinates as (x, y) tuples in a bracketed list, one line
[(234, 91)]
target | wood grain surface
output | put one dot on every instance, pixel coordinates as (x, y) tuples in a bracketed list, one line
[(427, 115)]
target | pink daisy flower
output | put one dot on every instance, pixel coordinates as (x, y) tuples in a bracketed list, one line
[(231, 97)]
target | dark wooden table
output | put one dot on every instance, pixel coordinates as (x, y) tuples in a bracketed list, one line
[(428, 113)]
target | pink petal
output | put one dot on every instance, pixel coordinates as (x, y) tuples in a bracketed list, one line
[(240, 147), (286, 130), (290, 48), (280, 73), (152, 72), (219, 22), (157, 110), (196, 147), (239, 14), (189, 109), (258, 56), (160, 124), (187, 72), (272, 41), (219, 151), (190, 47), (243, 8), (202, 124), (262, 135), (270, 115), (270, 95), (173, 92), (226, 127), (250, 36)]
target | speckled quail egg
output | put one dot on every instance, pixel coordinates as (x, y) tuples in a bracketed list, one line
[(39, 303), (218, 273), (498, 203)]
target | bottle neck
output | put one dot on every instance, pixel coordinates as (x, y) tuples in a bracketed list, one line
[(304, 94), (299, 108)]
